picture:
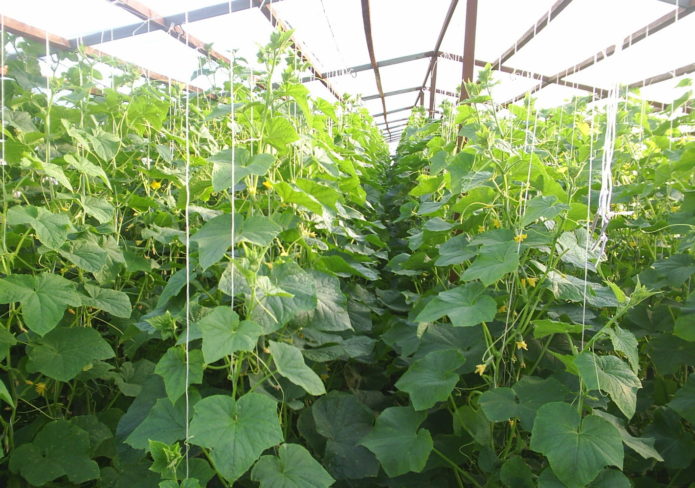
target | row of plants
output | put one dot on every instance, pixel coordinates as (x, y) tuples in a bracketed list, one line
[(530, 355), (241, 288)]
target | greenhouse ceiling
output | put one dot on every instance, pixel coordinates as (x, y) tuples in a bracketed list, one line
[(396, 54)]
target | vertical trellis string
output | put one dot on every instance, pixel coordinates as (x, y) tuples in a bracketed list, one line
[(232, 127), (3, 163), (187, 217)]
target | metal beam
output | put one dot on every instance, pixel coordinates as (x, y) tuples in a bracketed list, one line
[(629, 41), (433, 88), (391, 93), (367, 23), (683, 70), (533, 31), (469, 45), (393, 111), (63, 44), (276, 21), (380, 64), (437, 47), (176, 19), (394, 121), (681, 3), (172, 29)]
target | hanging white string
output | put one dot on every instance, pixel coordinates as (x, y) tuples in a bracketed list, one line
[(3, 163), (187, 217), (587, 241), (232, 127), (604, 200)]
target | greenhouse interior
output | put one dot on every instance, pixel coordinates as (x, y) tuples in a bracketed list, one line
[(347, 243)]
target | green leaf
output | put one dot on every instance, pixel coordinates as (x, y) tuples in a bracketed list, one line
[(213, 239), (291, 194), (64, 352), (344, 421), (243, 167), (431, 379), (259, 230), (104, 144), (5, 395), (44, 298), (165, 458), (293, 467), (56, 172), (172, 368), (542, 207), (685, 327), (455, 251), (114, 302), (644, 446), (577, 449), (612, 375), (274, 311), (465, 306), (87, 168), (51, 229), (398, 444), (98, 208), (59, 449), (327, 196), (236, 431), (331, 312), (543, 328), (625, 342), (493, 263), (280, 132), (164, 422), (290, 363), (499, 404), (86, 255), (223, 334), (684, 400), (515, 473)]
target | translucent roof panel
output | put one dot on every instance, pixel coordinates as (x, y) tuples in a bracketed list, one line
[(403, 75), (243, 31), (164, 55), (331, 30), (317, 89), (402, 100), (666, 50), (171, 7), (500, 24), (401, 27), (360, 83), (669, 90), (68, 18), (555, 95), (584, 28)]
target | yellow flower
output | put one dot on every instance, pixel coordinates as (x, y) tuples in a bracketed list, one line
[(156, 185), (502, 309), (562, 170), (270, 265), (523, 282), (284, 254), (481, 228), (519, 238), (480, 369), (40, 388), (532, 282), (496, 223), (267, 184), (522, 345)]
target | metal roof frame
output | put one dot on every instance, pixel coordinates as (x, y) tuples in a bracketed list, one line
[(173, 26)]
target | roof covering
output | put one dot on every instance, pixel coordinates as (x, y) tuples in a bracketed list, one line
[(396, 54)]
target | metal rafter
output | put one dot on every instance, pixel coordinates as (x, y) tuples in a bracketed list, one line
[(394, 121), (533, 31), (629, 41), (172, 29), (403, 109), (177, 19), (276, 21), (63, 44), (380, 64), (469, 45), (683, 70), (437, 47), (433, 89), (391, 93), (367, 23)]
